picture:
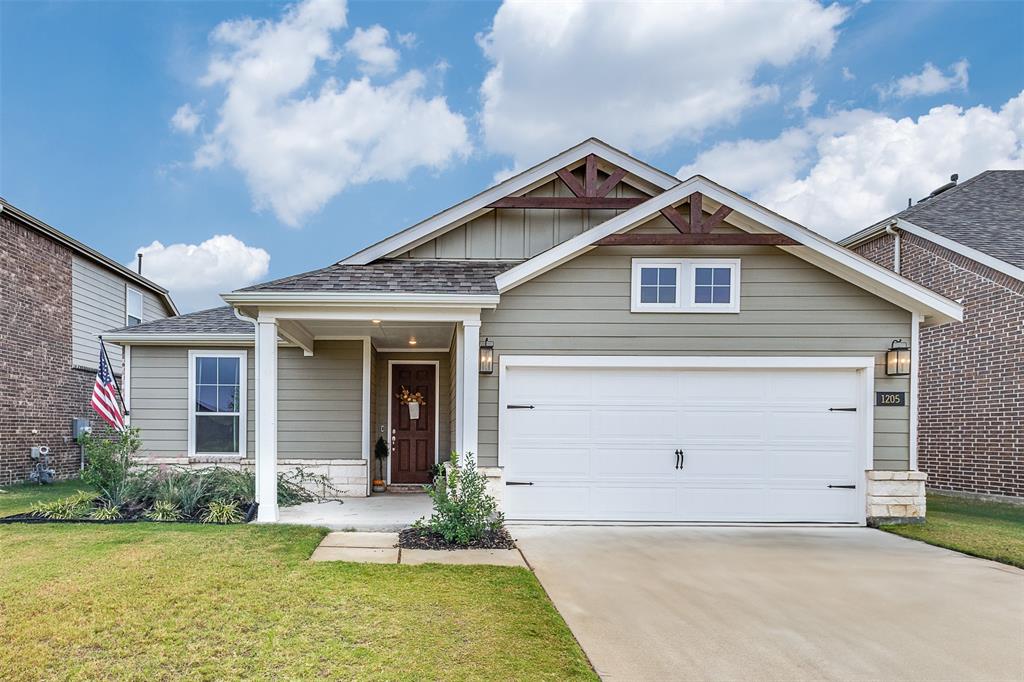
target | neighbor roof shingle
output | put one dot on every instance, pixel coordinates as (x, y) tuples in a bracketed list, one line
[(213, 321), (985, 213), (398, 276)]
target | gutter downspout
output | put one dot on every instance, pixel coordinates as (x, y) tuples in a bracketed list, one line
[(891, 229)]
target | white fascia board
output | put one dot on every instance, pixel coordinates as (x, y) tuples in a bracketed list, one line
[(956, 247), (180, 339), (831, 256), (362, 298), (694, 362), (466, 210)]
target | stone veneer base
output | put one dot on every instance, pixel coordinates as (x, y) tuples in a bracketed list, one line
[(895, 497)]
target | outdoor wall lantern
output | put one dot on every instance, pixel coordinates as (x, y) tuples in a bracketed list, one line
[(897, 359), (487, 357)]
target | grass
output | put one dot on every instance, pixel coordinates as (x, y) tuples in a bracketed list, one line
[(990, 530), (165, 601)]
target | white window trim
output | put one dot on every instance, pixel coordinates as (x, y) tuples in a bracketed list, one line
[(142, 303), (685, 285), (243, 390)]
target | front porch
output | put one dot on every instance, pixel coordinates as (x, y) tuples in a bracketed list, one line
[(382, 512), (329, 393)]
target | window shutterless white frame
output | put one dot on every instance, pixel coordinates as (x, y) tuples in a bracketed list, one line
[(685, 285), (639, 265), (243, 392), (733, 265), (132, 298)]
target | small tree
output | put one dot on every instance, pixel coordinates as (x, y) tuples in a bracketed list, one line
[(380, 451), (463, 509)]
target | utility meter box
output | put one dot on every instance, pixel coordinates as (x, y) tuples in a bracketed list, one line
[(80, 427)]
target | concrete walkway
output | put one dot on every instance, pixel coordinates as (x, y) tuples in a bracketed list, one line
[(779, 604), (381, 548), (383, 512)]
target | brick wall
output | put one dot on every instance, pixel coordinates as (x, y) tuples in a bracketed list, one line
[(39, 390), (971, 416)]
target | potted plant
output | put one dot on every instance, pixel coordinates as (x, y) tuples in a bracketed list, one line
[(380, 451)]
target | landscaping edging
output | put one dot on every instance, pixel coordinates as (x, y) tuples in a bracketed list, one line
[(31, 517), (410, 538)]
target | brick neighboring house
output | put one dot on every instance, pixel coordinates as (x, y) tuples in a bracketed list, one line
[(56, 296), (966, 243)]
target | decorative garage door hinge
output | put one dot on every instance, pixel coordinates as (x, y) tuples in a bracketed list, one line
[(842, 409), (519, 407)]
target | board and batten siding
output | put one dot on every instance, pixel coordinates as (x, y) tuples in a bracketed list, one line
[(515, 233), (97, 306), (319, 400), (788, 307)]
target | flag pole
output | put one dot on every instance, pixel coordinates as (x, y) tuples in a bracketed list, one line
[(103, 349)]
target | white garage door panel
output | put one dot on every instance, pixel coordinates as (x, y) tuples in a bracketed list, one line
[(760, 445)]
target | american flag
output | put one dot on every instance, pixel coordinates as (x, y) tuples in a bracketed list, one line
[(103, 399)]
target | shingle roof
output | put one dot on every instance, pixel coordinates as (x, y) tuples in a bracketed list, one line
[(213, 321), (398, 276), (985, 213)]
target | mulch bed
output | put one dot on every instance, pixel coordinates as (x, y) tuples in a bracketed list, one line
[(410, 538), (128, 516)]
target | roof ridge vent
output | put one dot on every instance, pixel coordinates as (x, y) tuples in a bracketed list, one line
[(939, 190)]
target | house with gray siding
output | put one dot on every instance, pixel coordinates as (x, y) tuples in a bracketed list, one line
[(610, 343), (57, 296)]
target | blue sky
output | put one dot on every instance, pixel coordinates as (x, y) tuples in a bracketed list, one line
[(306, 132)]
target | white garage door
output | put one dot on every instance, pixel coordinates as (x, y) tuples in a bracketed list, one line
[(632, 444)]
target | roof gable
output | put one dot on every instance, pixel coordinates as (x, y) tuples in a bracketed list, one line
[(755, 220), (521, 183)]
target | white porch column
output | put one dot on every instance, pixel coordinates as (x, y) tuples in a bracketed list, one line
[(266, 421), (460, 372), (470, 386)]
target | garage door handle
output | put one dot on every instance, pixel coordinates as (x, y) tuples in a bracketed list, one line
[(519, 407), (518, 482), (847, 487), (680, 459)]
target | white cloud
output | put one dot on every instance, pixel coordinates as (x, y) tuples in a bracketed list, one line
[(370, 46), (185, 119), (407, 40), (639, 75), (196, 274), (847, 74), (299, 144), (931, 81), (806, 98), (844, 172)]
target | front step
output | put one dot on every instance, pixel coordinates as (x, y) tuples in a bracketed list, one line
[(405, 488)]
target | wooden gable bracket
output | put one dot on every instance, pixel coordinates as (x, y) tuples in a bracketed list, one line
[(587, 194), (697, 231)]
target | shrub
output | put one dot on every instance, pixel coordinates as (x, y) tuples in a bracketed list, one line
[(184, 488), (109, 463), (77, 506), (223, 512), (105, 513), (463, 510), (162, 510)]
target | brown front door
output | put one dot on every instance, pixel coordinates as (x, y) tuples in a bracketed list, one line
[(412, 440)]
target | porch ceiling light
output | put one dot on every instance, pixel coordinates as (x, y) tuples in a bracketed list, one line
[(412, 341), (897, 359), (487, 357), (375, 321)]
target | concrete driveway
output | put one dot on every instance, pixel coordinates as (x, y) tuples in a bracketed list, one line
[(779, 603)]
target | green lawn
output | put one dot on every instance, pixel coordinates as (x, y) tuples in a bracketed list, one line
[(986, 529), (165, 601)]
